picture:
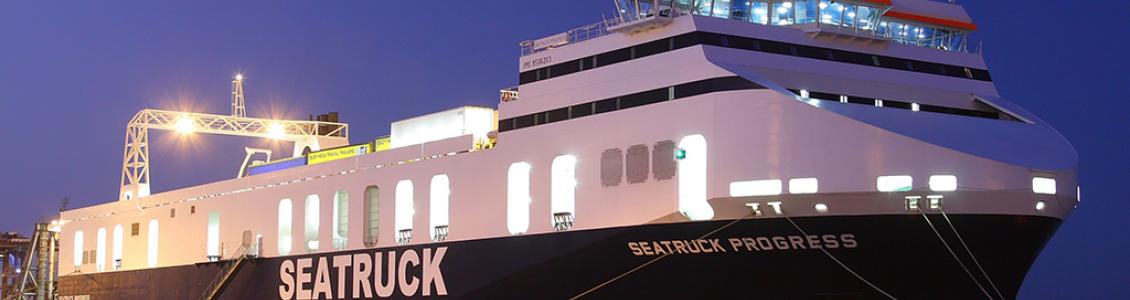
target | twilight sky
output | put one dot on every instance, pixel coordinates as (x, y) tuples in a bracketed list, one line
[(72, 74)]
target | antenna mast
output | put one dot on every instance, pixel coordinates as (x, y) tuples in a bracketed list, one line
[(238, 104)]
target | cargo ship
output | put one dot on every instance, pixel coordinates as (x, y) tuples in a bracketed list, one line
[(682, 149)]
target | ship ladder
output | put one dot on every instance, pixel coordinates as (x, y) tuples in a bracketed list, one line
[(226, 274), (954, 255)]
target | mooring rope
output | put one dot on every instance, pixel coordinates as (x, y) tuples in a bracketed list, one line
[(967, 250), (954, 255), (846, 268), (652, 261)]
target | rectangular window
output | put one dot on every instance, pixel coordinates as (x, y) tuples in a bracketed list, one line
[(644, 98), (560, 114), (313, 221), (372, 215), (652, 48), (813, 52), (803, 186), (765, 187), (439, 207), (527, 77), (404, 209), (1043, 185), (340, 220), (606, 105), (565, 68), (506, 125), (901, 183), (213, 234), (580, 110), (613, 57), (518, 198), (524, 121), (563, 184)]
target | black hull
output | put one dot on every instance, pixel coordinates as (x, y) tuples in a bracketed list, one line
[(899, 254)]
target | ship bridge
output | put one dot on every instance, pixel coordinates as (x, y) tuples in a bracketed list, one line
[(932, 24)]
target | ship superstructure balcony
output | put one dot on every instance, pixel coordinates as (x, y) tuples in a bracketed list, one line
[(921, 23)]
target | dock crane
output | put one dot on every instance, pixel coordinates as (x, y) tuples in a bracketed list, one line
[(306, 135)]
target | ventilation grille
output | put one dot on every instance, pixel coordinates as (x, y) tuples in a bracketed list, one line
[(637, 164), (663, 160), (611, 167)]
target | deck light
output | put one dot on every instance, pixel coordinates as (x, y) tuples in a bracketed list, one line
[(276, 131), (680, 153), (184, 125)]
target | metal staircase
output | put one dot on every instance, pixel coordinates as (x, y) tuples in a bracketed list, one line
[(226, 273)]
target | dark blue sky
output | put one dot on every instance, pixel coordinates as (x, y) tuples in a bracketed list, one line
[(72, 74)]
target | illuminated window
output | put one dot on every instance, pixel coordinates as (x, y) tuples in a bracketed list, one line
[(692, 179), (755, 188), (116, 244), (563, 184), (1043, 185), (213, 242), (152, 249), (943, 183), (901, 183), (78, 248), (439, 206), (405, 209), (286, 218), (372, 215), (341, 219), (313, 212), (803, 186), (100, 251), (518, 198)]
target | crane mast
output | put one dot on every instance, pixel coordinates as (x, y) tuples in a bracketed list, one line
[(135, 180)]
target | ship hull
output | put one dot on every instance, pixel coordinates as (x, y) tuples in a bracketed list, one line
[(834, 257)]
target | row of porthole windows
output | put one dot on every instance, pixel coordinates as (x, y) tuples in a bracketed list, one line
[(896, 183), (116, 256)]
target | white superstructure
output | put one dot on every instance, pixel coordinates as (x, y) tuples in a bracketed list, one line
[(707, 115)]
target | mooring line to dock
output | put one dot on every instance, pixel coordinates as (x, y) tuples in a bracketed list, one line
[(954, 255), (974, 257), (833, 257)]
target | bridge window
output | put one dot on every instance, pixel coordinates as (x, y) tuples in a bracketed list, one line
[(100, 251), (372, 215), (692, 178), (563, 185), (313, 211), (153, 230), (518, 198), (116, 244), (341, 219), (404, 209), (78, 249), (213, 241), (286, 218), (440, 206)]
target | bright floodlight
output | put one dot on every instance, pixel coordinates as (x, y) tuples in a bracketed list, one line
[(238, 76), (276, 131), (184, 125)]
